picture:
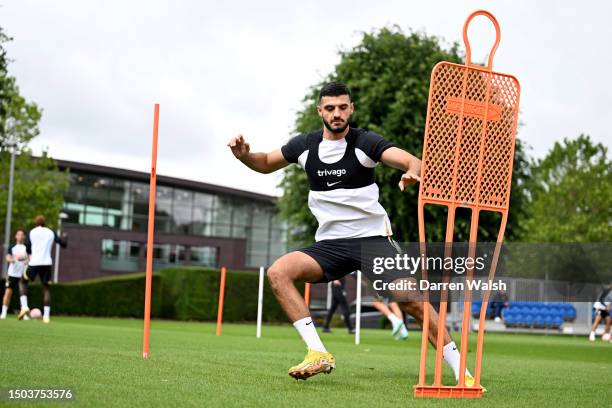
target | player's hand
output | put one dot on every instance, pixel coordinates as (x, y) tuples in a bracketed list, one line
[(239, 147), (409, 178)]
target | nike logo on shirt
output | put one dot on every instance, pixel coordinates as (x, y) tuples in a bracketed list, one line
[(332, 184)]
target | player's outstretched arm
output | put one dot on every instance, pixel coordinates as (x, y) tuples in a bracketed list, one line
[(260, 162), (402, 160)]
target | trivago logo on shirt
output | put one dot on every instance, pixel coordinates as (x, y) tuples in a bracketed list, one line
[(334, 172)]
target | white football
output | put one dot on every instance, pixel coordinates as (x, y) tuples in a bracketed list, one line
[(35, 313)]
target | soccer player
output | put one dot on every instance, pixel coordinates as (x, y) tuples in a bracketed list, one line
[(339, 161), (602, 312), (338, 299), (41, 240), (17, 258), (500, 301)]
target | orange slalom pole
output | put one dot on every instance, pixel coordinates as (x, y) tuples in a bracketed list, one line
[(150, 235), (307, 294), (221, 297)]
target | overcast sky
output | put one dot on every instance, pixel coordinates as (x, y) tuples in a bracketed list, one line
[(220, 68)]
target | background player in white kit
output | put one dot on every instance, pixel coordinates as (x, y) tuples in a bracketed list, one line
[(602, 312), (41, 241), (17, 258)]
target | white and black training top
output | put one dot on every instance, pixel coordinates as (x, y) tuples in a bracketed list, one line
[(17, 267), (41, 241), (604, 300), (343, 193)]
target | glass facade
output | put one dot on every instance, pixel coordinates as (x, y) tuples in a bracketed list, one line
[(120, 255), (124, 204), (127, 256)]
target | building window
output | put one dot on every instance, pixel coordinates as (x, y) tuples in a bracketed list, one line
[(162, 256), (120, 255), (204, 256)]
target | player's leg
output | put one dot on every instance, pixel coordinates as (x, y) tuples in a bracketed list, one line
[(608, 322), (24, 313), (345, 311), (46, 303), (283, 274), (595, 324), (330, 312), (6, 299), (450, 352), (410, 300), (396, 322), (493, 314), (416, 310), (403, 331), (45, 279)]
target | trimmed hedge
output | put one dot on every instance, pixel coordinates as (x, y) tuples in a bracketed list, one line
[(193, 294), (178, 293), (120, 296)]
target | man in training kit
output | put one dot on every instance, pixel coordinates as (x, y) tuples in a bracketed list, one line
[(602, 312), (338, 299), (17, 258), (41, 241), (339, 161)]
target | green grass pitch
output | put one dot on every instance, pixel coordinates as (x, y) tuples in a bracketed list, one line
[(189, 366)]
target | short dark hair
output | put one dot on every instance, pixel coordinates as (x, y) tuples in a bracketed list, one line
[(40, 220), (20, 229), (335, 88)]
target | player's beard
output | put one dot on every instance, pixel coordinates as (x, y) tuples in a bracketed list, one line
[(336, 129)]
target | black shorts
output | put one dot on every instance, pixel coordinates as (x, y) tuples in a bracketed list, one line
[(339, 257), (602, 312), (44, 271), (13, 283)]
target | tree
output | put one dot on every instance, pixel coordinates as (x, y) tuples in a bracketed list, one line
[(570, 194), (39, 185), (388, 73), (569, 224)]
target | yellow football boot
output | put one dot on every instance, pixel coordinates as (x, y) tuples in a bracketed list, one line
[(314, 363)]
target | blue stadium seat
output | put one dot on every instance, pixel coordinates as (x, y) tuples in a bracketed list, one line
[(569, 313), (519, 319), (539, 320), (475, 309), (548, 320)]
